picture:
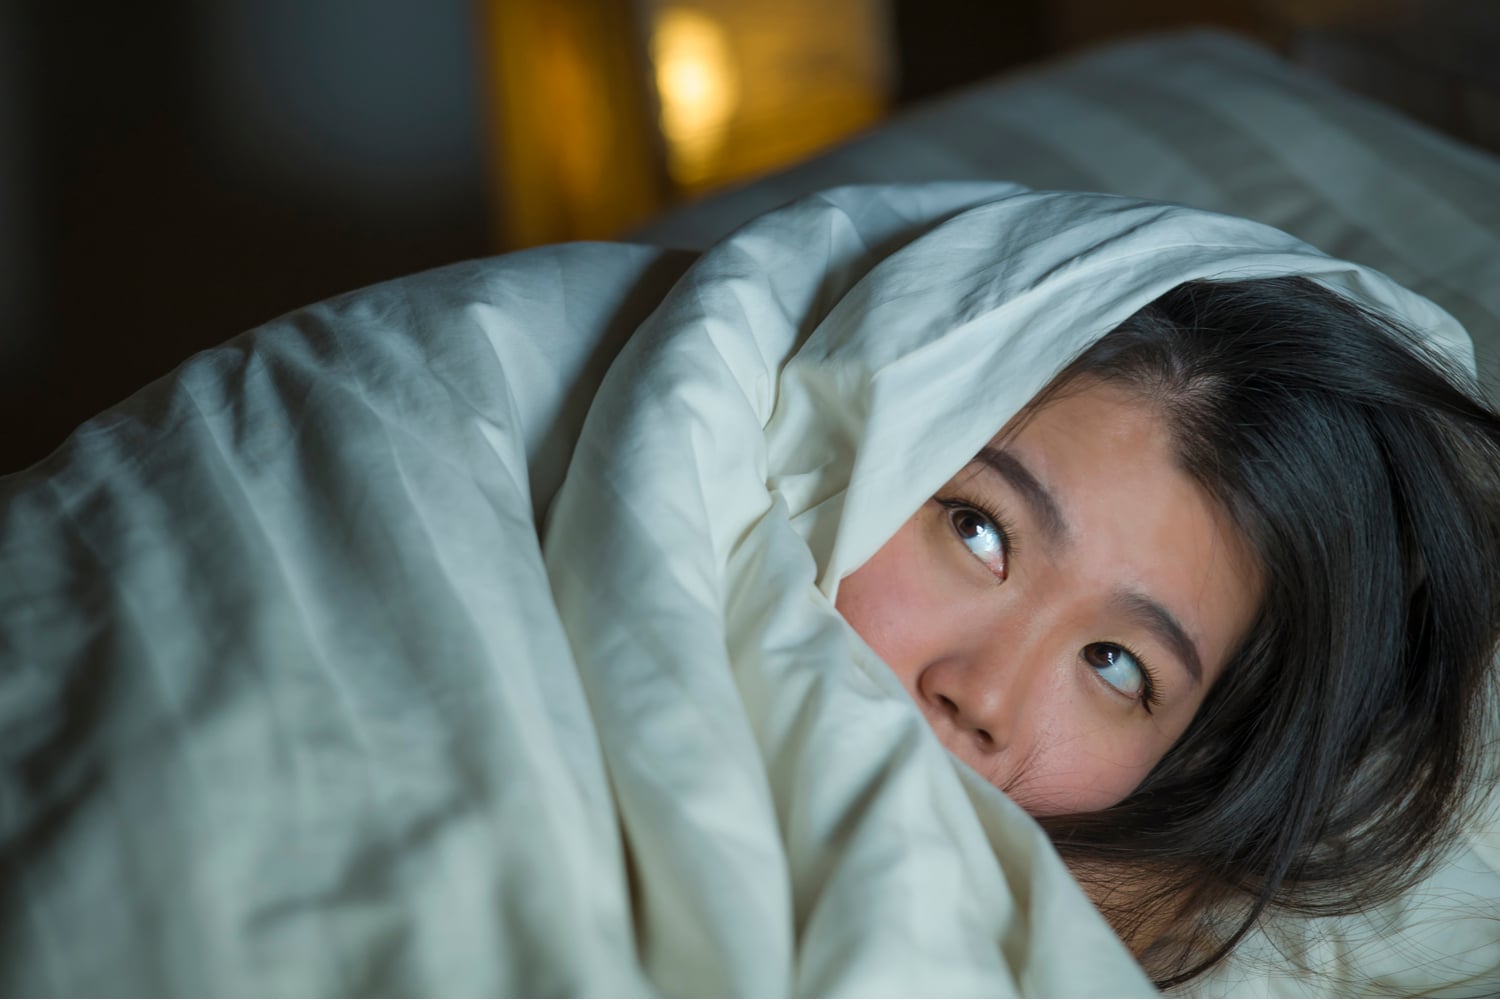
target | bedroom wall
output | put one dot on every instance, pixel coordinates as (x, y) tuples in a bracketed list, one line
[(18, 278), (365, 107), (189, 168)]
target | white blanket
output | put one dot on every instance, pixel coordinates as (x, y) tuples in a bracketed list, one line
[(294, 700)]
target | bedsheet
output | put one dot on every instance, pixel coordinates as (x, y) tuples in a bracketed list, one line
[(276, 714), (356, 658)]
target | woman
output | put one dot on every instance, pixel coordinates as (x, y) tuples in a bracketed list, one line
[(347, 661), (873, 345), (1289, 508)]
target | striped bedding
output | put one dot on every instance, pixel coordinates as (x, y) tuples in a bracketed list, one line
[(1206, 119)]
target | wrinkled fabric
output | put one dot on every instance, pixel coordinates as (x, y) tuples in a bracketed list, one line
[(313, 679)]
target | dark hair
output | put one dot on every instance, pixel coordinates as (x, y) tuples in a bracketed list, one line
[(1333, 755)]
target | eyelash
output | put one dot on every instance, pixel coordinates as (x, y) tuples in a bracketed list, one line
[(1149, 696), (990, 514)]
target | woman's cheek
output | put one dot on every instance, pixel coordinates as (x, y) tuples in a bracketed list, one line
[(889, 601), (1080, 767)]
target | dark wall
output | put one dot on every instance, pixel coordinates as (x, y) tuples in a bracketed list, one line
[(175, 172), (947, 43)]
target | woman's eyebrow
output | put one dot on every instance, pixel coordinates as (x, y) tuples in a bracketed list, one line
[(1044, 506), (1156, 618), (1149, 613)]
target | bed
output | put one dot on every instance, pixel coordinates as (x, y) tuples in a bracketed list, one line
[(207, 789)]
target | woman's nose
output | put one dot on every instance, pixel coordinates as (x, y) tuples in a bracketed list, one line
[(983, 699)]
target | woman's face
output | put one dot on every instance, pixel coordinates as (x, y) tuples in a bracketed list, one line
[(1060, 609)]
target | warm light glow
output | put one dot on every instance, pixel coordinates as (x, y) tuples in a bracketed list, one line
[(698, 88), (576, 149)]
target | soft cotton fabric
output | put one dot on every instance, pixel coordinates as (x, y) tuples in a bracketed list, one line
[(316, 681)]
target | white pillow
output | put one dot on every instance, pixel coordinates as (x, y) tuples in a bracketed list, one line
[(1203, 118)]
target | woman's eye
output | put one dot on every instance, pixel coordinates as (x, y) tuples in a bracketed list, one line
[(1116, 665), (980, 535)]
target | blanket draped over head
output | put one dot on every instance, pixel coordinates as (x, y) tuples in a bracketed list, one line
[(353, 658)]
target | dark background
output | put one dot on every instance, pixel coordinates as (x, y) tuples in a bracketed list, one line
[(175, 171)]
